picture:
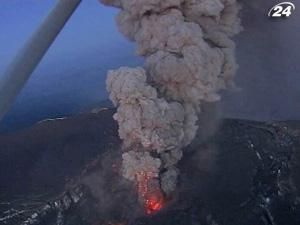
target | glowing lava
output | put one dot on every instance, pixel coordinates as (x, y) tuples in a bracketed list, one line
[(149, 193), (153, 204)]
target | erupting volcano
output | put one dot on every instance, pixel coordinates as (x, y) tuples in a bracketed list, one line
[(149, 193), (189, 58)]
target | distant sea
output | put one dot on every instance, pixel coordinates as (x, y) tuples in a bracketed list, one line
[(68, 87)]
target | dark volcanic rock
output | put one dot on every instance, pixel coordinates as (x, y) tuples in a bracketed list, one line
[(41, 158), (246, 174)]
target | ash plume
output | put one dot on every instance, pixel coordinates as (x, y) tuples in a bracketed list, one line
[(189, 58)]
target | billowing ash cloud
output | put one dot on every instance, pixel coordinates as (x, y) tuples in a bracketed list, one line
[(189, 58)]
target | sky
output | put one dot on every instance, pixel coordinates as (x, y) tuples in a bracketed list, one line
[(71, 76), (92, 26)]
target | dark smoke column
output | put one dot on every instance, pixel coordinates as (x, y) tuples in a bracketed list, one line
[(189, 59)]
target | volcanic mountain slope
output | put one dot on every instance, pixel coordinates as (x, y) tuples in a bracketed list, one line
[(247, 173)]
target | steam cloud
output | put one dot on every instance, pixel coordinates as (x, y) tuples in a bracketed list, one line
[(189, 58)]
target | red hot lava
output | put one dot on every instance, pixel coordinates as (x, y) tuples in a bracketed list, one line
[(153, 204), (149, 193)]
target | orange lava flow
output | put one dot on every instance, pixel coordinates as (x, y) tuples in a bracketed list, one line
[(153, 204), (149, 193)]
